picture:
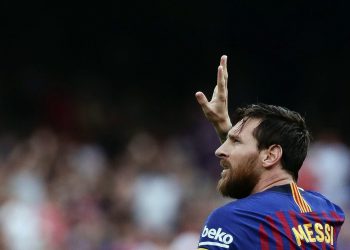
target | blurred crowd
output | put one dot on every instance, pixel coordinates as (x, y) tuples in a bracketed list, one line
[(91, 95), (59, 192)]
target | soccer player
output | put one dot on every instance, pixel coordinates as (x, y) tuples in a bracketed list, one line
[(261, 156)]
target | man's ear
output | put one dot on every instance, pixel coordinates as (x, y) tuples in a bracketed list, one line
[(271, 155)]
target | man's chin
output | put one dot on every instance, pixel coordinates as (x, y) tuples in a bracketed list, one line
[(224, 189), (232, 191)]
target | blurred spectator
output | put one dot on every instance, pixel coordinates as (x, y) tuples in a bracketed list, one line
[(328, 162)]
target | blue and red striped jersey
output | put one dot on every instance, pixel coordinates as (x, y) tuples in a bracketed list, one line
[(282, 217)]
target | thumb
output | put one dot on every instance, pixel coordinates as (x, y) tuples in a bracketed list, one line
[(201, 98)]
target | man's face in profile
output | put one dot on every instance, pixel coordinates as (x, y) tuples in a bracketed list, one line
[(240, 160)]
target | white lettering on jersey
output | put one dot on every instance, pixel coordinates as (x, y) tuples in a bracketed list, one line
[(224, 239)]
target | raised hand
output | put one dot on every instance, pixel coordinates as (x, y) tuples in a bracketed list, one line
[(216, 110)]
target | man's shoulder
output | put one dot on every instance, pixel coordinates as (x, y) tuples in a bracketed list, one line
[(317, 200), (228, 225), (268, 202), (314, 194), (252, 202)]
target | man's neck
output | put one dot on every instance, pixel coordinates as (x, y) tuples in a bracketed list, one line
[(271, 178)]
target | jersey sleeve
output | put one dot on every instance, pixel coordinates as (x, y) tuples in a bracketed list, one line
[(218, 232)]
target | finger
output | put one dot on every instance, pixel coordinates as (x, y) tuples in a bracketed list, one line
[(215, 92), (221, 83), (201, 98), (223, 63), (223, 60)]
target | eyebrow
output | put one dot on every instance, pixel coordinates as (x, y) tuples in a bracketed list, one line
[(233, 137), (238, 130)]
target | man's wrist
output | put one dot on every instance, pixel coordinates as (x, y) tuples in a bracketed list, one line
[(222, 130), (223, 127)]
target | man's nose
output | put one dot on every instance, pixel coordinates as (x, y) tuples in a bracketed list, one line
[(220, 152)]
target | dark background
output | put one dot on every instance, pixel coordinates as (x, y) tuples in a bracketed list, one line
[(101, 71)]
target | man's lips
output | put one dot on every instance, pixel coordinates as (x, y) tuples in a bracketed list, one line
[(224, 165)]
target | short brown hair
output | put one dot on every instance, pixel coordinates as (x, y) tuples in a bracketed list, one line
[(280, 126)]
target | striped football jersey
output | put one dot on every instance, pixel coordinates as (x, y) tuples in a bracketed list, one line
[(282, 217)]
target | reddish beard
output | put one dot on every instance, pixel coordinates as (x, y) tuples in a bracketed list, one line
[(239, 181)]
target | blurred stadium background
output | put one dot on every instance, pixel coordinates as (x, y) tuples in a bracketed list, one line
[(102, 145)]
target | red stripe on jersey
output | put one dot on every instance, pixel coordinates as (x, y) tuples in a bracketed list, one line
[(338, 218), (286, 228), (264, 239), (337, 225), (276, 233), (307, 221), (295, 222), (317, 219), (325, 215)]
